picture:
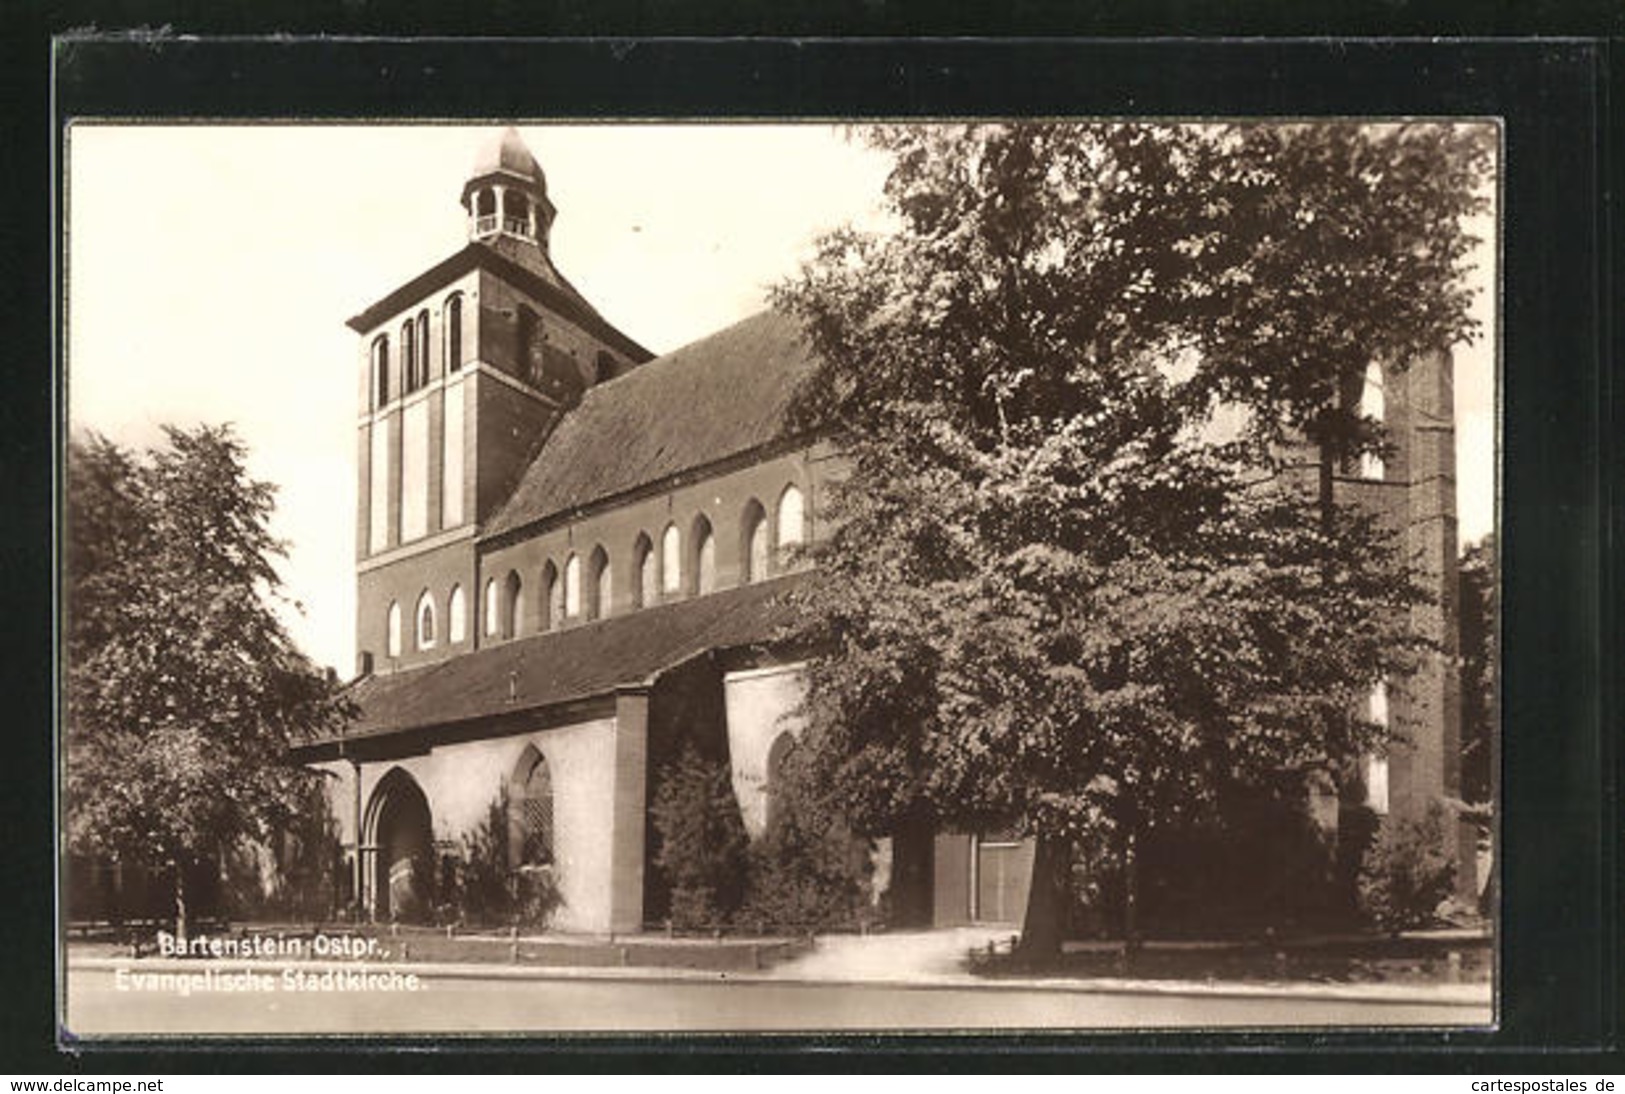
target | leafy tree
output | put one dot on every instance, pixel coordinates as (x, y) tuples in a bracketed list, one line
[(1054, 595), (183, 691)]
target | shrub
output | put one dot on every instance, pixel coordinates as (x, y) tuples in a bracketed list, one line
[(807, 869), (482, 889), (700, 840), (1407, 871)]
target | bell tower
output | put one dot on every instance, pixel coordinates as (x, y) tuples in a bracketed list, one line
[(465, 369)]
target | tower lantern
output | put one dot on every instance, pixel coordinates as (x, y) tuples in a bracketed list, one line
[(506, 194)]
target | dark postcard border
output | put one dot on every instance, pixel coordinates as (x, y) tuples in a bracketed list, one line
[(1560, 769)]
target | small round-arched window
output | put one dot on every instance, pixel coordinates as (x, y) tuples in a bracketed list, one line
[(425, 621), (456, 612), (392, 638)]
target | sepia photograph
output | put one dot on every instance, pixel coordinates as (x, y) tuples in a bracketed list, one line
[(525, 577)]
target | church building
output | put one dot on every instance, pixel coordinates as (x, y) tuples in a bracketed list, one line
[(572, 558)]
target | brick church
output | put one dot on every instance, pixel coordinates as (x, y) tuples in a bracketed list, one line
[(572, 555)]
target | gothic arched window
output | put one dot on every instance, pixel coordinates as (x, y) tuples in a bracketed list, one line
[(646, 589), (493, 609), (671, 561), (572, 586), (705, 557), (530, 811), (600, 589), (776, 756), (791, 522), (513, 608), (552, 597), (753, 543)]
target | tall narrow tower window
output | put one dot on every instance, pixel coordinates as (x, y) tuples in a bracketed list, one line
[(380, 371), (409, 360), (423, 347), (527, 345), (454, 332)]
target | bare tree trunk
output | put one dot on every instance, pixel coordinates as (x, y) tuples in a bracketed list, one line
[(1131, 893), (1045, 922)]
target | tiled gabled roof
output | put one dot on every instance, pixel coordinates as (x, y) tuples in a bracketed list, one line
[(566, 666), (719, 397)]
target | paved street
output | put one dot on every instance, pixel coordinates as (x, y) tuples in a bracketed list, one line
[(463, 1003)]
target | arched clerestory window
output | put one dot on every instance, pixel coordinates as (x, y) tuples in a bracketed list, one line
[(572, 586), (425, 621), (753, 548), (600, 585), (456, 616), (671, 561), (392, 630), (552, 597), (530, 811), (454, 332), (493, 609), (705, 557), (513, 606), (791, 522), (646, 585)]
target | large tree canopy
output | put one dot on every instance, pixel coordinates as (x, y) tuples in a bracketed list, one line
[(1055, 595), (182, 689)]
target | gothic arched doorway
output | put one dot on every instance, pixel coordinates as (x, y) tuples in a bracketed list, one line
[(403, 875)]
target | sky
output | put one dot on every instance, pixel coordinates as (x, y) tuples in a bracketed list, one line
[(211, 269)]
